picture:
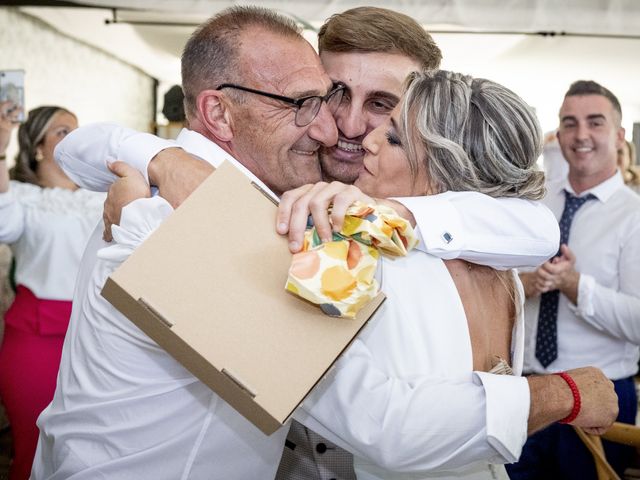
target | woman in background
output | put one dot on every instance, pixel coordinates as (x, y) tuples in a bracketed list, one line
[(628, 166), (47, 221)]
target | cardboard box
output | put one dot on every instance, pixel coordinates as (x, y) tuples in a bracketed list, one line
[(208, 287)]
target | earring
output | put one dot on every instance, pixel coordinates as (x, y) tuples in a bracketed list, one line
[(39, 156)]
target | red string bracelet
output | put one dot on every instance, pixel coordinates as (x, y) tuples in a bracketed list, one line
[(577, 403)]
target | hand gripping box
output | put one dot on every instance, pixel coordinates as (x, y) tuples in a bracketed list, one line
[(208, 287)]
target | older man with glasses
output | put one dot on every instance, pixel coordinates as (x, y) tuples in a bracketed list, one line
[(123, 407)]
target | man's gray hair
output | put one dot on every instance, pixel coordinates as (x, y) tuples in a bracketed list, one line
[(471, 134), (211, 55)]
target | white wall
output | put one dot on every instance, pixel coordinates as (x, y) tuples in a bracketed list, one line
[(63, 71)]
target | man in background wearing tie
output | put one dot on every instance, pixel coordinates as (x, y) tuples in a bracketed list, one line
[(583, 306)]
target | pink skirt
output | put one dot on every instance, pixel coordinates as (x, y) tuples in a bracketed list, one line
[(29, 362)]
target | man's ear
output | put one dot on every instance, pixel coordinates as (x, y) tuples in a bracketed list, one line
[(215, 115), (620, 138)]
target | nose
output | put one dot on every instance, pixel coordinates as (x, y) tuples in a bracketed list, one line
[(351, 120), (582, 131), (371, 142), (323, 128)]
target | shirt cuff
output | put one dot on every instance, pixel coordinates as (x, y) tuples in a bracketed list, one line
[(586, 287), (138, 150), (439, 223), (138, 220), (507, 401)]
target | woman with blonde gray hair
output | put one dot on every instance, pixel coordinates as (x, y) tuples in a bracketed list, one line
[(46, 220), (470, 134), (451, 328)]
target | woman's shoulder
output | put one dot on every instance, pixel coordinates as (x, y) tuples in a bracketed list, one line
[(417, 273), (414, 260)]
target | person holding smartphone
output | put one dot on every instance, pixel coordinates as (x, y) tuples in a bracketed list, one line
[(46, 220), (9, 118)]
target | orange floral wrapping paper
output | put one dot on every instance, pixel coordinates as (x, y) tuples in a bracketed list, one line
[(339, 275)]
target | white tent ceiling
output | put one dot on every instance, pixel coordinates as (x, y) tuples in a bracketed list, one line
[(587, 16), (595, 39)]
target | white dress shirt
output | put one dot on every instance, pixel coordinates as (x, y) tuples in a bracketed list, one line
[(123, 408), (48, 229), (603, 330), (404, 397)]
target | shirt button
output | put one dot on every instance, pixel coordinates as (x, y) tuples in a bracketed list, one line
[(321, 448)]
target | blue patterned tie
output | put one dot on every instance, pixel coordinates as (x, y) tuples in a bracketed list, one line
[(547, 338)]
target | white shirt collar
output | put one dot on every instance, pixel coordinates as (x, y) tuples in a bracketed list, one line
[(603, 191), (199, 145)]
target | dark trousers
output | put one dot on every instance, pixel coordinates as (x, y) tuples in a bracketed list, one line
[(557, 453)]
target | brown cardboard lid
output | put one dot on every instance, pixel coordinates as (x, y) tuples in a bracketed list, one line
[(215, 272)]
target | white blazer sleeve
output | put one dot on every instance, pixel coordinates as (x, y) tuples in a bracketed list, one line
[(84, 153), (502, 233), (418, 424)]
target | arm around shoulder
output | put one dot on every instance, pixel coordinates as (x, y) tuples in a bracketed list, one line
[(501, 233), (84, 154)]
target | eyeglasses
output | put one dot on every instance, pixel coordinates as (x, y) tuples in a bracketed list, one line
[(307, 107)]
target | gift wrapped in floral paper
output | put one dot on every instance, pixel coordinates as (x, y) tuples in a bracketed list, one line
[(339, 275)]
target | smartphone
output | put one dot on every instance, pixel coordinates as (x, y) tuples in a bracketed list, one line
[(12, 88)]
